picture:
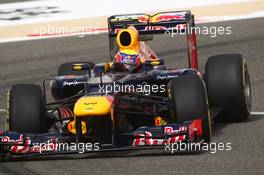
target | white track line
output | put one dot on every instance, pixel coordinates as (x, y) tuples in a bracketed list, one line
[(257, 113), (252, 113), (2, 110)]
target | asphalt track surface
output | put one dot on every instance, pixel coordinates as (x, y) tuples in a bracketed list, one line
[(32, 61)]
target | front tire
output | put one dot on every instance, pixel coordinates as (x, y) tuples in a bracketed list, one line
[(188, 101), (25, 109)]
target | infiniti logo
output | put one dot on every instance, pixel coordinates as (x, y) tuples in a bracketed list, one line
[(90, 103)]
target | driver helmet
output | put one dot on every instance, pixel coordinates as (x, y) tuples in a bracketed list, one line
[(127, 62)]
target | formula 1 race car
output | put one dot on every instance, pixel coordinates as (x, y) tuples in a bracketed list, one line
[(131, 102)]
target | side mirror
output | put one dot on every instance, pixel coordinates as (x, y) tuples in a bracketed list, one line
[(145, 37), (101, 68)]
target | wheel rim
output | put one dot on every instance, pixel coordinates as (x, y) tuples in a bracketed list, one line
[(247, 87)]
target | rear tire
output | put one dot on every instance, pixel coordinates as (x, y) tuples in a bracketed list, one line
[(228, 85), (188, 101), (66, 68), (26, 111)]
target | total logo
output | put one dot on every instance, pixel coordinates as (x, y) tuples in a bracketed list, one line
[(158, 28)]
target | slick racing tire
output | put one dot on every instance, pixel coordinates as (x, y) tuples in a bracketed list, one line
[(188, 101), (25, 109), (228, 86), (66, 69)]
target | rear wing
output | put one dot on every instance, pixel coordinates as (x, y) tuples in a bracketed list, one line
[(160, 23), (147, 24)]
